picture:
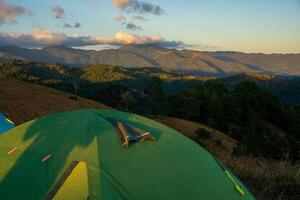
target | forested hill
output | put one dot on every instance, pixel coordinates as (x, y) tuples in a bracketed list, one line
[(218, 64), (91, 79), (287, 88)]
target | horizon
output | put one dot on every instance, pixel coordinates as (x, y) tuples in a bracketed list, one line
[(269, 27)]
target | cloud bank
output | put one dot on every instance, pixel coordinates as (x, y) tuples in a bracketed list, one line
[(8, 12), (58, 12), (137, 6), (42, 38)]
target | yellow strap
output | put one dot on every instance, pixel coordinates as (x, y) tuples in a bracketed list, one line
[(9, 121), (237, 187)]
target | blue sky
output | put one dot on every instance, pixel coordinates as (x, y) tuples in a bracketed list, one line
[(269, 26)]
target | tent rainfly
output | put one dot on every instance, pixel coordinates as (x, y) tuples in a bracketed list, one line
[(109, 155), (5, 124)]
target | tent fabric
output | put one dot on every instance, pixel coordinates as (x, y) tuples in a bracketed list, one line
[(77, 181), (5, 124), (173, 167)]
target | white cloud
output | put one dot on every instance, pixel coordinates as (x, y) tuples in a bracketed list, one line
[(37, 38), (42, 38), (8, 12)]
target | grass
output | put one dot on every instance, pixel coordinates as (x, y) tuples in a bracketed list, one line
[(22, 101), (268, 180)]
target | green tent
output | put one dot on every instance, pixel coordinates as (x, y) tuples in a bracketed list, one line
[(78, 155)]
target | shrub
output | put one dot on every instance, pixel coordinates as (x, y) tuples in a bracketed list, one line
[(203, 134)]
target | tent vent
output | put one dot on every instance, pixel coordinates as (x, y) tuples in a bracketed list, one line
[(130, 134)]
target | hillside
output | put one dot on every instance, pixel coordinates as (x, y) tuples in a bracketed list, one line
[(92, 78), (266, 63), (217, 142), (286, 88), (22, 101), (184, 61)]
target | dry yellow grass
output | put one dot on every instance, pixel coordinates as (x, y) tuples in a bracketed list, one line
[(219, 144), (268, 180), (22, 102)]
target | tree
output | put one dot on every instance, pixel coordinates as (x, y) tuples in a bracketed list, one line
[(216, 112), (116, 95), (155, 97)]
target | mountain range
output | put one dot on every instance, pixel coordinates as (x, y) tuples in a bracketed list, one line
[(217, 64)]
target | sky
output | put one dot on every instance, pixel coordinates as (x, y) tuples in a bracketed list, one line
[(266, 26)]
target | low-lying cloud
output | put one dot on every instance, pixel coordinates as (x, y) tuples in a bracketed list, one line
[(58, 12), (137, 6), (8, 12), (41, 38)]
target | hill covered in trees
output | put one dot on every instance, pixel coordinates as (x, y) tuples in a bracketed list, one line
[(90, 79), (241, 105), (287, 88)]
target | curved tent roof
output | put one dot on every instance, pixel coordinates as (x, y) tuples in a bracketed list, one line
[(35, 156)]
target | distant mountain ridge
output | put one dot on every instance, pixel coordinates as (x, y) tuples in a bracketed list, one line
[(203, 63)]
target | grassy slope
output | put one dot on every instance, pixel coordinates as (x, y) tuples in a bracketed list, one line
[(219, 144), (22, 101)]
